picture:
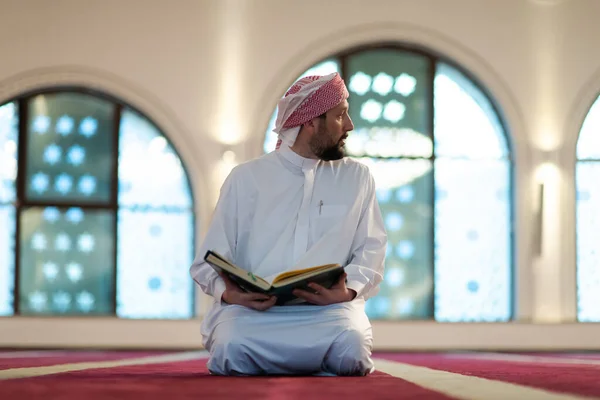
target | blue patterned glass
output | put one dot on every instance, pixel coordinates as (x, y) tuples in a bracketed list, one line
[(322, 68), (150, 171), (404, 193), (70, 148), (155, 251), (472, 240), (588, 216), (9, 141), (465, 123), (155, 225), (388, 104), (9, 125), (66, 262), (588, 248), (473, 245), (7, 259), (588, 144)]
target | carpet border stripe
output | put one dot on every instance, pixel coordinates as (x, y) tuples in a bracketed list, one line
[(467, 387), (31, 372), (31, 353), (524, 358)]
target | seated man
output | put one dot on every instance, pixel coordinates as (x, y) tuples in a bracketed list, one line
[(303, 204)]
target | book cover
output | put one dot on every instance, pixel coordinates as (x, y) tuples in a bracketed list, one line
[(283, 285)]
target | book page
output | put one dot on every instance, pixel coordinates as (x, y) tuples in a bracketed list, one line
[(290, 275)]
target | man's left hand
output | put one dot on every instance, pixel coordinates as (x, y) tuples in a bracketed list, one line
[(338, 293)]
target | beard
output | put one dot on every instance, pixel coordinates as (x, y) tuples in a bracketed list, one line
[(332, 153), (322, 146)]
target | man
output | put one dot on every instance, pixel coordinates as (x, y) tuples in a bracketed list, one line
[(299, 206)]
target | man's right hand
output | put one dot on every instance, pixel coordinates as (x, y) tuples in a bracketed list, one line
[(233, 294)]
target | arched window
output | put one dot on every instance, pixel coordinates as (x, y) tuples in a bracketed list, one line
[(588, 217), (96, 211), (439, 153)]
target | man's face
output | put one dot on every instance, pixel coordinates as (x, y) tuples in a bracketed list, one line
[(328, 140)]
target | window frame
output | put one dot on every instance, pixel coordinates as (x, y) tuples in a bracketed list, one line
[(436, 58), (21, 203)]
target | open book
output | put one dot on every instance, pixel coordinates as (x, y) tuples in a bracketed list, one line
[(283, 284)]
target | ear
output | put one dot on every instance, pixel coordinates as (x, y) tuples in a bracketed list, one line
[(311, 123), (310, 127)]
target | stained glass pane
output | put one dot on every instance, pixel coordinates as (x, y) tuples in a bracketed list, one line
[(150, 171), (404, 190), (588, 247), (588, 144), (389, 92), (66, 261), (155, 251), (472, 240), (465, 124), (70, 148), (7, 259), (9, 125), (9, 139), (322, 68)]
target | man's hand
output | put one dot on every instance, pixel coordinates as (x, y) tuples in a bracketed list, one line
[(233, 294), (338, 293)]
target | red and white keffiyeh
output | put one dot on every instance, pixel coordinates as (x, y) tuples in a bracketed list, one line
[(308, 98)]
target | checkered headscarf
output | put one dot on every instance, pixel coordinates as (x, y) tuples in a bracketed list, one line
[(308, 98)]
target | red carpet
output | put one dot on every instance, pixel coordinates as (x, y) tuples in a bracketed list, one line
[(190, 379)]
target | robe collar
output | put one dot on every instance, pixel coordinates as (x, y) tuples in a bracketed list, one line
[(296, 159)]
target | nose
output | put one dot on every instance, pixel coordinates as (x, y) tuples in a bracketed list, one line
[(349, 124)]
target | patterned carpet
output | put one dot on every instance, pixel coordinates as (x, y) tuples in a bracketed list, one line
[(92, 375)]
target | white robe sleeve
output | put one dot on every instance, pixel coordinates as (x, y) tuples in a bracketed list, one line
[(366, 267), (220, 237)]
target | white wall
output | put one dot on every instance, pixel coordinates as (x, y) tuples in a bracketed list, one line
[(209, 72)]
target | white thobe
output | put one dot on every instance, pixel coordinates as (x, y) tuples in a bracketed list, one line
[(282, 212)]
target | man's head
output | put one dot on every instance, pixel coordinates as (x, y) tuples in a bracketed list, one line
[(313, 117)]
